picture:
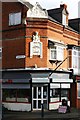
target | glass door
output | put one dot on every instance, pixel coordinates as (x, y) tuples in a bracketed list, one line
[(39, 96)]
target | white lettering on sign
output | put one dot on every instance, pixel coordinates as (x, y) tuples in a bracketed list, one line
[(20, 56)]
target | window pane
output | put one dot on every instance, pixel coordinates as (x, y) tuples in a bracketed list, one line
[(39, 92), (54, 95), (9, 95), (11, 19), (79, 61), (35, 92), (64, 94), (60, 53), (20, 95), (57, 53), (0, 55), (15, 18), (23, 95), (78, 86), (64, 19), (53, 53), (75, 59)]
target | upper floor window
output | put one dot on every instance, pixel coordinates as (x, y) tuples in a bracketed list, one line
[(64, 19), (75, 58), (0, 53), (78, 88), (56, 53), (15, 18)]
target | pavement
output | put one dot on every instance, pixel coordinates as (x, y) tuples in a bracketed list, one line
[(47, 115)]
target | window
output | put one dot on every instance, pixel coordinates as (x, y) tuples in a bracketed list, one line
[(0, 53), (53, 53), (9, 95), (16, 95), (58, 94), (15, 18), (75, 58), (78, 89), (56, 53), (64, 94), (79, 59), (64, 19), (54, 95)]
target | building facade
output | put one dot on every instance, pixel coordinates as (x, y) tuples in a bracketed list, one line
[(36, 59)]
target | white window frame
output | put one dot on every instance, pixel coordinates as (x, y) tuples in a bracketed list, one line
[(55, 53), (0, 53), (78, 90), (64, 22), (79, 59), (75, 58), (59, 54), (15, 18)]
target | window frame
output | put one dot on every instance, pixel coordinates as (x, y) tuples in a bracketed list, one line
[(64, 22), (0, 53), (12, 18), (75, 64), (16, 95), (78, 90), (57, 51)]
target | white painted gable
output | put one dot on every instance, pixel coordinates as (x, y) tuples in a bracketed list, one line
[(37, 12)]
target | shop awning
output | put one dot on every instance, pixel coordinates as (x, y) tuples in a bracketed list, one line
[(40, 80), (16, 86), (16, 75), (16, 80), (62, 80), (40, 77), (61, 77)]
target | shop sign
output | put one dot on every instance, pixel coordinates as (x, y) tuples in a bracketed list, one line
[(62, 109), (20, 56)]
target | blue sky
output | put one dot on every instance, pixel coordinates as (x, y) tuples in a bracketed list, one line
[(72, 5)]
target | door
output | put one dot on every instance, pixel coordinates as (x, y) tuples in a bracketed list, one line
[(39, 96)]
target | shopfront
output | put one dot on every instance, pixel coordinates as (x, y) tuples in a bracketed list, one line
[(25, 90), (60, 88), (40, 88), (16, 90), (77, 91), (28, 90)]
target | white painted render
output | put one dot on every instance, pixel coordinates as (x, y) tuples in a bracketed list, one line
[(17, 106)]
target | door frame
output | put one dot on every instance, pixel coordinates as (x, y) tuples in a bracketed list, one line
[(42, 98)]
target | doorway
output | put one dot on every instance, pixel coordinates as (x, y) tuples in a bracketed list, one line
[(39, 96)]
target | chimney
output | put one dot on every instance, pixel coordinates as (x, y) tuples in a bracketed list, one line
[(63, 6)]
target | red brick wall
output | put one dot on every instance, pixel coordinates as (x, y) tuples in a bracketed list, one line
[(13, 36), (62, 34), (11, 7), (16, 39), (12, 48), (78, 103), (40, 26), (73, 95)]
